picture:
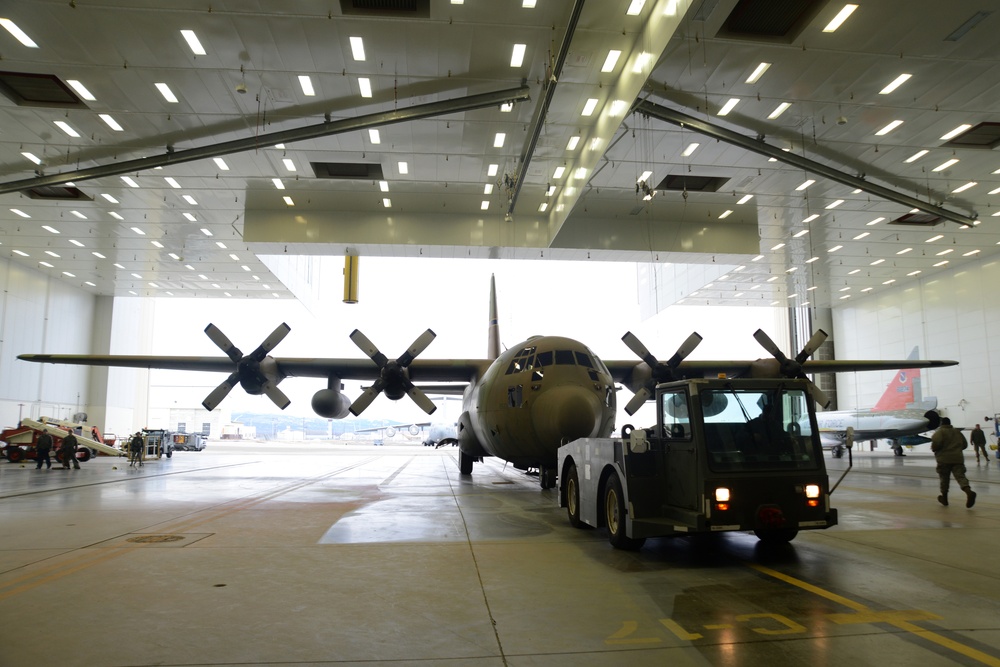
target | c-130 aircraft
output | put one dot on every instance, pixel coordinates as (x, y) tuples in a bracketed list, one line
[(520, 405)]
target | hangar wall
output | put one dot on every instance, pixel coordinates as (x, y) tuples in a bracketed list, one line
[(951, 315)]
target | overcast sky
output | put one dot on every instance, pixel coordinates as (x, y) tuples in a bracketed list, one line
[(593, 302)]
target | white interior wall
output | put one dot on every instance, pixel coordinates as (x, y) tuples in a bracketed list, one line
[(951, 315)]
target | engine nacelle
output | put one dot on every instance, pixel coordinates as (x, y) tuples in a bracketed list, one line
[(414, 430), (331, 404)]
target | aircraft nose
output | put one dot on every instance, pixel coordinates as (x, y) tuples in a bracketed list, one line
[(566, 413)]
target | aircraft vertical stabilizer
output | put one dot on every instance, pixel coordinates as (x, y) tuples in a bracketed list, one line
[(902, 390), (493, 340)]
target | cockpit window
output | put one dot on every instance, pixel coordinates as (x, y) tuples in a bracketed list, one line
[(583, 359), (564, 357), (523, 361), (544, 359)]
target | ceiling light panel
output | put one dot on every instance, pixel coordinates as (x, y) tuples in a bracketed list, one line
[(193, 42), (18, 34), (357, 48)]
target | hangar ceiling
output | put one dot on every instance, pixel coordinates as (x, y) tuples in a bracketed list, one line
[(815, 161)]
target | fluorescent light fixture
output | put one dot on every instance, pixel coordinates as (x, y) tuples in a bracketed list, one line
[(357, 48), (280, 147), (129, 181), (778, 110), (51, 230), (18, 34), (729, 106), (904, 251), (374, 136), (221, 245), (811, 217), (970, 253), (403, 167), (488, 189), (725, 214), (595, 143), (800, 233), (365, 84), (528, 4), (811, 260), (558, 173), (635, 7), (110, 198), (912, 273), (278, 184), (506, 107), (574, 141), (840, 18), (138, 231), (618, 107), (778, 247), (758, 72), (220, 163), (172, 182), (79, 215), (289, 165), (792, 270), (941, 263), (851, 273), (644, 176), (156, 244), (64, 126), (896, 83), (690, 149), (206, 231), (957, 131), (589, 107), (551, 191), (76, 243), (806, 184), (994, 191), (168, 94), (835, 248), (288, 200), (835, 203), (32, 157), (934, 238), (19, 212), (875, 221), (744, 199), (189, 199), (115, 215), (611, 60), (542, 207), (945, 165), (383, 186), (499, 139), (81, 90), (50, 266), (387, 202), (946, 251), (492, 170), (517, 55), (234, 257), (110, 122), (307, 85), (916, 156), (889, 128), (861, 236), (193, 42), (21, 253), (963, 188), (581, 173), (190, 217), (485, 205)]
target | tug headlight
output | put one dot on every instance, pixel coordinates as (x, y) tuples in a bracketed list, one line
[(722, 495)]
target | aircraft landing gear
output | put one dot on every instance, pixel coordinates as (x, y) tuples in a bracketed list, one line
[(464, 463), (897, 449)]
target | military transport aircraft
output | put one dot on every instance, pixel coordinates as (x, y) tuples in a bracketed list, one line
[(520, 406), (900, 415)]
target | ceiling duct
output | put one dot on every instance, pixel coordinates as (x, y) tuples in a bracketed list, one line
[(38, 90), (690, 183), (387, 8), (917, 220), (347, 171), (985, 135), (57, 193), (770, 20)]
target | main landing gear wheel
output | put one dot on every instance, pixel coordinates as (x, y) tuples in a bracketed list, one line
[(547, 477), (573, 497), (464, 463), (614, 515)]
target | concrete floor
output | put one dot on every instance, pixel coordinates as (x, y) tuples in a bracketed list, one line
[(332, 553)]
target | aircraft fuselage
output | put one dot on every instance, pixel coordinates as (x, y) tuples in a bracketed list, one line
[(536, 397)]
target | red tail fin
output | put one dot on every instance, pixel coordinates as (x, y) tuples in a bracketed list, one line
[(902, 389)]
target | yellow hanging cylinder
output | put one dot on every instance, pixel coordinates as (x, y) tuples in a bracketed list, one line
[(351, 278)]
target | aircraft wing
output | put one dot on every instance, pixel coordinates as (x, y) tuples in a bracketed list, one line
[(420, 370)]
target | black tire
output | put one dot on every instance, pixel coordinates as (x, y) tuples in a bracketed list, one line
[(83, 455), (464, 463), (170, 453), (547, 477), (614, 516), (776, 535), (15, 454), (573, 497)]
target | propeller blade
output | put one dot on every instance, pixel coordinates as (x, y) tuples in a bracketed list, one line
[(223, 343), (685, 349), (637, 401), (276, 395), (271, 341), (368, 348), (813, 345), (819, 395), (639, 349), (420, 398), (418, 346), (220, 392), (366, 397), (768, 344)]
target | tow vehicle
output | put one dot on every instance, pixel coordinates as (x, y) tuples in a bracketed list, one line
[(18, 443), (725, 455)]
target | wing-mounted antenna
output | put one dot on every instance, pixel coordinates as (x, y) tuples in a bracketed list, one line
[(256, 372), (393, 379), (792, 368), (659, 372)]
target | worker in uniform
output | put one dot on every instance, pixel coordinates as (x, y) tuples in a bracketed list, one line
[(978, 439), (68, 450), (947, 444), (42, 449), (135, 450)]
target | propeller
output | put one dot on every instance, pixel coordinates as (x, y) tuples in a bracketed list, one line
[(659, 372), (793, 367), (256, 372), (393, 379)]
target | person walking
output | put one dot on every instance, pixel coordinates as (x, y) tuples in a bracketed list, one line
[(135, 450), (67, 448), (947, 444), (978, 439), (42, 449)]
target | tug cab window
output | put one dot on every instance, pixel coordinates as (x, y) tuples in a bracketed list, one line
[(675, 416)]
